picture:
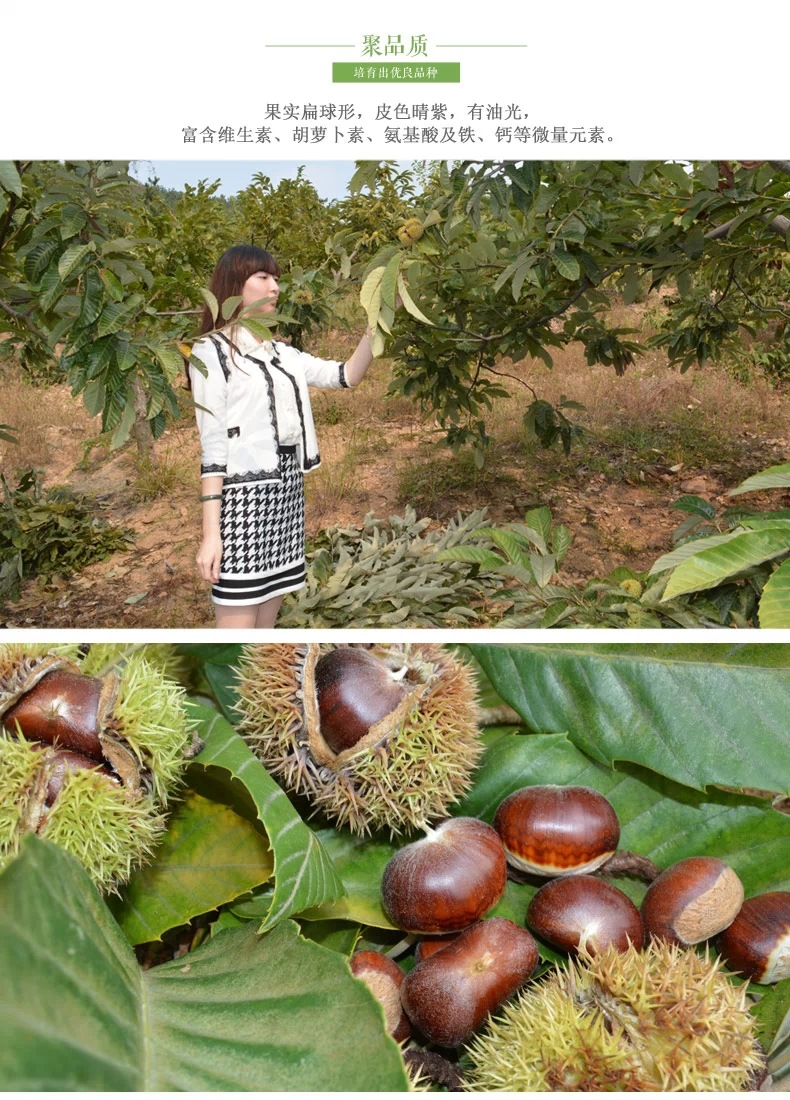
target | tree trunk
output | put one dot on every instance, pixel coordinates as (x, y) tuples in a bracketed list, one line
[(141, 432)]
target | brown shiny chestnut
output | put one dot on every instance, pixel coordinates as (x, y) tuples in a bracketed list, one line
[(446, 880), (355, 690), (692, 901), (550, 830), (449, 995), (61, 709), (427, 947), (757, 943), (581, 913), (384, 978)]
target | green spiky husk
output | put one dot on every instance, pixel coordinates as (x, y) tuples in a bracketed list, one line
[(104, 657), (150, 717), (19, 763), (664, 1020), (408, 779), (110, 822), (110, 830)]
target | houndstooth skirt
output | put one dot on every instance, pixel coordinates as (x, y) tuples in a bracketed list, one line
[(262, 530)]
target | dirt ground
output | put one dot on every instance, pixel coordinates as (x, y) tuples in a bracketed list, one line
[(620, 514)]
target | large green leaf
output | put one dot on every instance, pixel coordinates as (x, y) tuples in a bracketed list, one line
[(227, 771), (242, 1012), (775, 477), (209, 856), (715, 564), (775, 599), (704, 721)]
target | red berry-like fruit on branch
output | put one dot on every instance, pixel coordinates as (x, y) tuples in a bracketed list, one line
[(581, 913), (551, 830), (757, 943), (384, 978), (692, 900), (449, 995), (447, 880)]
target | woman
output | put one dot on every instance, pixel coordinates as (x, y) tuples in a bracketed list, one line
[(257, 439)]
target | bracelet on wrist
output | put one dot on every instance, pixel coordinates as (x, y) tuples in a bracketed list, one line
[(212, 496)]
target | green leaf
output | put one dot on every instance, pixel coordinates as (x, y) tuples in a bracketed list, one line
[(229, 305), (370, 295), (408, 302), (227, 771), (567, 265), (389, 280), (476, 555), (772, 1013), (170, 358), (682, 714), (209, 856), (710, 567), (774, 610), (687, 550), (9, 178), (360, 863), (243, 1012), (775, 477), (72, 258), (211, 302)]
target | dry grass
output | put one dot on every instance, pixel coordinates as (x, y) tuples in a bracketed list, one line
[(41, 419)]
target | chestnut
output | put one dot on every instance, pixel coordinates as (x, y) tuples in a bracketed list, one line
[(62, 708), (384, 978), (446, 880), (692, 900), (551, 830), (581, 913), (426, 948), (757, 943), (355, 690), (449, 995)]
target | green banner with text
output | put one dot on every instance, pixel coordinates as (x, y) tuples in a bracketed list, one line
[(357, 72)]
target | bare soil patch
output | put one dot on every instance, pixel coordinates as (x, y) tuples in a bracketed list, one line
[(652, 437)]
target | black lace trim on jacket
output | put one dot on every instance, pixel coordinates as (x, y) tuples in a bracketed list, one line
[(254, 475), (221, 356), (213, 469)]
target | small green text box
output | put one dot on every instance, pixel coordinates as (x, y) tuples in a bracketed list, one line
[(391, 72)]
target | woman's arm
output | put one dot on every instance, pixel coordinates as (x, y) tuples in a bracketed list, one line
[(210, 552), (359, 361)]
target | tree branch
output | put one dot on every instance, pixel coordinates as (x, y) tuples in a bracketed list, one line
[(778, 222)]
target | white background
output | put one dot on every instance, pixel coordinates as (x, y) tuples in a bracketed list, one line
[(677, 79)]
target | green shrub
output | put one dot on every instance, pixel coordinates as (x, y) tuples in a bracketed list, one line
[(47, 534)]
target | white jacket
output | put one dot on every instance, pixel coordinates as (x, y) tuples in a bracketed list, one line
[(235, 407)]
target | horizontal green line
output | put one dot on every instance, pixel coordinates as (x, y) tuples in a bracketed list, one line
[(308, 46), (483, 46)]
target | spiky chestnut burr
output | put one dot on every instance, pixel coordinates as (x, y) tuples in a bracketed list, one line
[(449, 995), (692, 900), (550, 830), (757, 943), (660, 1020), (447, 880), (582, 913), (88, 762), (384, 978), (404, 769)]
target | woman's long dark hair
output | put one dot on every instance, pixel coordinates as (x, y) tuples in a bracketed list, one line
[(233, 269)]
